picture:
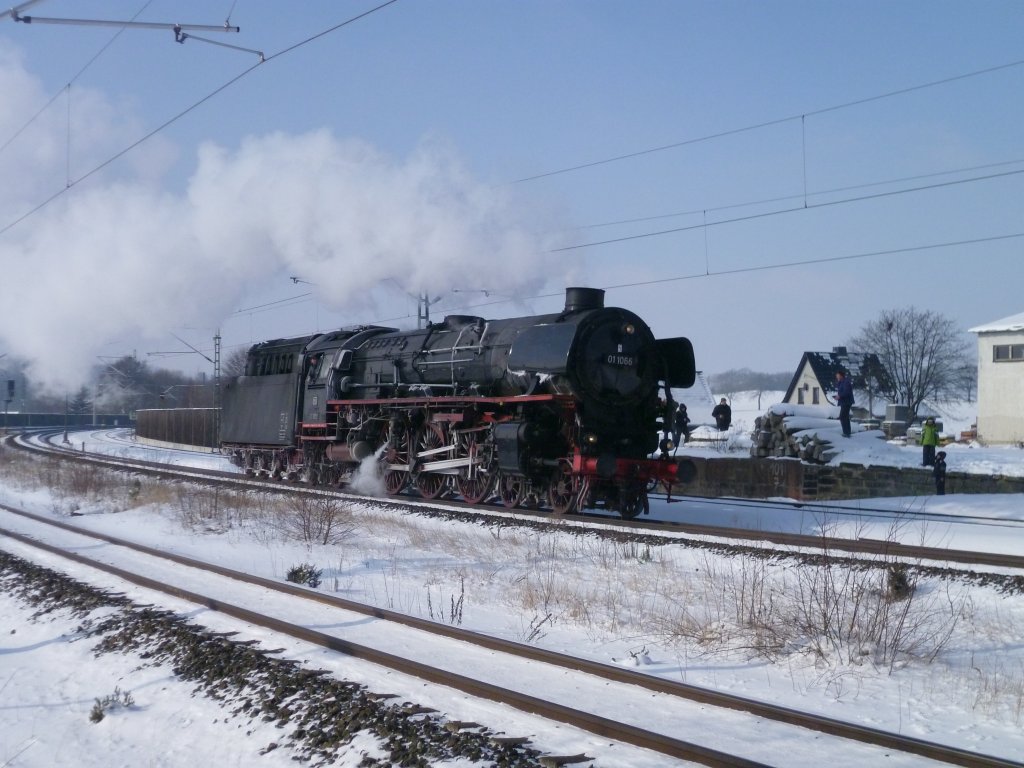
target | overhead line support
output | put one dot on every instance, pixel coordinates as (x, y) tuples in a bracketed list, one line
[(135, 24)]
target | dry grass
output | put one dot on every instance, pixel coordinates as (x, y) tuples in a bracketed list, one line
[(839, 618), (72, 486)]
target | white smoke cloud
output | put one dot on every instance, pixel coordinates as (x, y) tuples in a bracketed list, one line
[(346, 216), (120, 257)]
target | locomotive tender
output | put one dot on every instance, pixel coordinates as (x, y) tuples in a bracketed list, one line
[(560, 409)]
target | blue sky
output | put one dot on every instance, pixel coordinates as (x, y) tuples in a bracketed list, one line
[(389, 157)]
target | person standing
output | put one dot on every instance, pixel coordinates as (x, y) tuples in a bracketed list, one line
[(722, 415), (844, 396), (929, 439), (681, 427), (939, 473)]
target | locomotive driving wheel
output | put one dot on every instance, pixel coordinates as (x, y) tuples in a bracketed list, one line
[(512, 490), (564, 490), (475, 481), (633, 502), (394, 460), (430, 484)]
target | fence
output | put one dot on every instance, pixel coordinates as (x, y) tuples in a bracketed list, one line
[(75, 420), (180, 426)]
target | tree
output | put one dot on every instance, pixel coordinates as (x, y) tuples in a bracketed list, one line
[(746, 380), (924, 353), (129, 383), (234, 365), (80, 404)]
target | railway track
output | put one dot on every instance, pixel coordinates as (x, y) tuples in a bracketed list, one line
[(663, 532), (592, 682)]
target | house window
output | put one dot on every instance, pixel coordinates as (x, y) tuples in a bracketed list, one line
[(1008, 353), (799, 397), (815, 395)]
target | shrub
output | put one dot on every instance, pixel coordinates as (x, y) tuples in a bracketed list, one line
[(115, 700), (315, 519), (306, 574)]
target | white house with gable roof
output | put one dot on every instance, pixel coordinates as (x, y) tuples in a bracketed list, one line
[(1001, 380)]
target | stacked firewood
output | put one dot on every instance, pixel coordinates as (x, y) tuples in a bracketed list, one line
[(773, 438)]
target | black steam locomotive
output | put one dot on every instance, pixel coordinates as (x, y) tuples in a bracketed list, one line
[(561, 410)]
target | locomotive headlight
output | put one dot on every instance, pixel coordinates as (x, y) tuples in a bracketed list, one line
[(629, 329), (666, 445), (590, 439)]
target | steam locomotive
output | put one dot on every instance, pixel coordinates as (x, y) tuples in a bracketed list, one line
[(560, 410)]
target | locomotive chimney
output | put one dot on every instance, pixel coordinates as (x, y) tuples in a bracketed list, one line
[(577, 299)]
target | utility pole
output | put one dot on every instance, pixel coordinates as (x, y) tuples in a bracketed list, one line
[(216, 391), (7, 400), (423, 304)]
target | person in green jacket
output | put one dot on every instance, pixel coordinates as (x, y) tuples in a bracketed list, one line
[(929, 439)]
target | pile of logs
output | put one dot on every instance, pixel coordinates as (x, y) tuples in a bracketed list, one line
[(772, 437)]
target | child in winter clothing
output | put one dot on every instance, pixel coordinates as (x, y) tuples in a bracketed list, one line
[(681, 428), (939, 473), (929, 439)]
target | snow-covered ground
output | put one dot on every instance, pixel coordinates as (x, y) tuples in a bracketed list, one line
[(865, 447), (669, 611)]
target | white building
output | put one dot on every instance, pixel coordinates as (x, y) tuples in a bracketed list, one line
[(1001, 380)]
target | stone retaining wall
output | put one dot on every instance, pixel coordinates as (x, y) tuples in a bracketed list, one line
[(794, 479)]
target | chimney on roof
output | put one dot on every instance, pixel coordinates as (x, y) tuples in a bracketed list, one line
[(841, 351)]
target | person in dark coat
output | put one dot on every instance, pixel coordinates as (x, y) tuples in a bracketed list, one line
[(844, 397), (939, 473), (723, 415), (681, 425)]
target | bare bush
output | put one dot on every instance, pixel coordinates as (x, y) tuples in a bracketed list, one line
[(117, 700), (82, 479), (453, 614), (201, 508), (315, 519), (535, 632), (837, 613)]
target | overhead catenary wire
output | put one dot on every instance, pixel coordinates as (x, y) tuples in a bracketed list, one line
[(758, 268), (793, 209), (227, 19), (708, 273), (258, 307), (826, 259), (71, 81), (192, 107), (784, 198), (212, 94), (775, 121), (161, 127)]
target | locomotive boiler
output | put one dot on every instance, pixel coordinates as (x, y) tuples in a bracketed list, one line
[(561, 410)]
